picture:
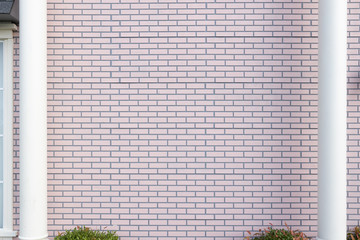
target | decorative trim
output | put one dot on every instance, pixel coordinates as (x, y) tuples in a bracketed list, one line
[(8, 233), (8, 26)]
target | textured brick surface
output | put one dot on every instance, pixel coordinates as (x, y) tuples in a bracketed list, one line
[(178, 119)]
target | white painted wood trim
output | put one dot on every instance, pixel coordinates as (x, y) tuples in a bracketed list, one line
[(6, 36), (5, 233), (8, 26)]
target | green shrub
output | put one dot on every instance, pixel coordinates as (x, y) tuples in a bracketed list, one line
[(354, 235), (84, 233), (277, 234)]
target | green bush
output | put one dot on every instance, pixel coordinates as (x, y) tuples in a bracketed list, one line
[(354, 235), (84, 233), (277, 234)]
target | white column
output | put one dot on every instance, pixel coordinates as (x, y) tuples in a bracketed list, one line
[(33, 114), (332, 119)]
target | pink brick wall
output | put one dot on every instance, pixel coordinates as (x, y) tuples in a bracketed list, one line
[(178, 119)]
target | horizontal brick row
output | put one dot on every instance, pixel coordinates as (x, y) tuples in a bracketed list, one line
[(170, 18)]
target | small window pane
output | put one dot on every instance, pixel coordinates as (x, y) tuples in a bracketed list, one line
[(1, 135), (1, 65), (1, 204), (1, 113), (1, 160)]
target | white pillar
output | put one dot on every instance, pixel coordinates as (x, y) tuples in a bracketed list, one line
[(332, 119), (33, 114)]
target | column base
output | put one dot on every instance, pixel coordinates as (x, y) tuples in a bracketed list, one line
[(327, 239), (34, 238)]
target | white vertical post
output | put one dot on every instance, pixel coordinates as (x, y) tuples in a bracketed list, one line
[(332, 119), (33, 120)]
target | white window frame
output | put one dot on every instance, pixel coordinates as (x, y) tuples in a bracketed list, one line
[(6, 36)]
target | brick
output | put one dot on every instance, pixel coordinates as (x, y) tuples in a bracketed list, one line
[(207, 110)]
